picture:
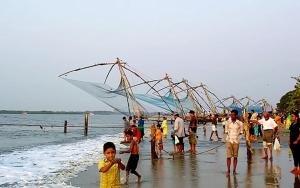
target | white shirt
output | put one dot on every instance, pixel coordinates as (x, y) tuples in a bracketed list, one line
[(268, 124), (179, 127), (233, 131)]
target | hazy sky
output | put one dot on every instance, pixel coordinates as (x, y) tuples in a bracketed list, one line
[(242, 47)]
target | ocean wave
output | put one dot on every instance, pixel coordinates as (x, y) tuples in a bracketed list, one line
[(52, 165)]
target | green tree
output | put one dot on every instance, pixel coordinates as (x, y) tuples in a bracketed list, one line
[(291, 100)]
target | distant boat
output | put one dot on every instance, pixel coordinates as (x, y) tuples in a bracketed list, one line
[(24, 113)]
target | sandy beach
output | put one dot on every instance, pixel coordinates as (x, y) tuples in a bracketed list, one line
[(206, 169)]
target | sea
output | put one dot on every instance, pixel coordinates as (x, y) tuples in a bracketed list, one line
[(35, 151)]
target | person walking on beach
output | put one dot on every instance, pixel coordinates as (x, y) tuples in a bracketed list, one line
[(214, 123), (179, 132), (253, 120), (164, 126), (126, 127), (141, 123), (294, 142), (269, 129), (110, 167), (233, 130), (158, 139), (277, 120), (133, 160)]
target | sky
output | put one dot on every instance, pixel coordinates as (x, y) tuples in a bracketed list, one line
[(242, 48)]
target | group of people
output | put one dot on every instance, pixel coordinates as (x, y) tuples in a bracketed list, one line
[(131, 128), (270, 127), (110, 166)]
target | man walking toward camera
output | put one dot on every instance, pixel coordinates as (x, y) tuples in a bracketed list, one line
[(233, 129)]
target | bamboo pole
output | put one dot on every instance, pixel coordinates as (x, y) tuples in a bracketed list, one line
[(136, 107), (213, 107), (192, 98), (65, 126), (86, 121), (171, 85)]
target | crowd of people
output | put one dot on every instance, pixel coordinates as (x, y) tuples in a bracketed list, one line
[(260, 125)]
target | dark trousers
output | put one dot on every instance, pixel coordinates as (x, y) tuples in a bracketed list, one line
[(259, 130), (296, 154)]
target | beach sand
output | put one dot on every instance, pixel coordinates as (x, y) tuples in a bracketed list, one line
[(206, 169)]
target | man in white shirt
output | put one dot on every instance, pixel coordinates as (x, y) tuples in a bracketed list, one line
[(233, 129), (179, 132), (269, 128)]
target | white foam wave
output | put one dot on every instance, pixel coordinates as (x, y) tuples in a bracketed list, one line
[(46, 166)]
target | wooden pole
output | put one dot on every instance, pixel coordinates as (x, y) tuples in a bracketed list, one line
[(86, 123), (65, 126)]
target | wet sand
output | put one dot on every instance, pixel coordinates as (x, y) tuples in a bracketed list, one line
[(206, 169)]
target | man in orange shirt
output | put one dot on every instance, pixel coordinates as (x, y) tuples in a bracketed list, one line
[(277, 119)]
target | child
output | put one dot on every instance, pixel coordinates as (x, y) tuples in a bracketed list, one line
[(110, 166), (133, 159), (136, 133), (158, 139), (127, 137)]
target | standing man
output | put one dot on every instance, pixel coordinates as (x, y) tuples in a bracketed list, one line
[(233, 129), (269, 129), (193, 121), (193, 131), (179, 132)]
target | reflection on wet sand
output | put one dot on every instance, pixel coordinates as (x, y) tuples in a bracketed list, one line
[(272, 176), (235, 182), (194, 171)]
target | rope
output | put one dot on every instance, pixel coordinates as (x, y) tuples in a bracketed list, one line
[(210, 149)]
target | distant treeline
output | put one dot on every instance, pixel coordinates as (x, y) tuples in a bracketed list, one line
[(291, 100), (55, 112)]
